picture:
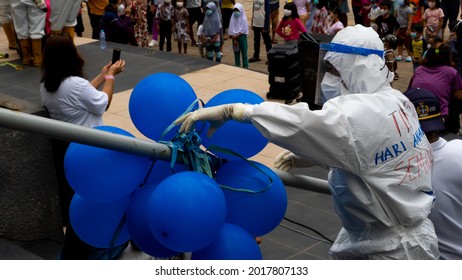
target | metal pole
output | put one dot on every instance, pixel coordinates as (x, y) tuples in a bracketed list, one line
[(303, 182), (103, 139), (83, 135)]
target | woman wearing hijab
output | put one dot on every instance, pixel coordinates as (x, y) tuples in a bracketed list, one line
[(238, 30), (211, 28)]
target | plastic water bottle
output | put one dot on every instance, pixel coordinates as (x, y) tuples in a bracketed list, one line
[(102, 40)]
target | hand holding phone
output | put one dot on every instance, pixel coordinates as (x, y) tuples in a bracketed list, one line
[(115, 55)]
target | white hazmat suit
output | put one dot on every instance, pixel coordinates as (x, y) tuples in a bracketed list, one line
[(380, 160)]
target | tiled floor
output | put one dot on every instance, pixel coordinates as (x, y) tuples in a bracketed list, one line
[(314, 210)]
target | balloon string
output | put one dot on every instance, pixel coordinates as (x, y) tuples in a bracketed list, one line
[(231, 152), (188, 110), (115, 236), (196, 159), (174, 145), (151, 166)]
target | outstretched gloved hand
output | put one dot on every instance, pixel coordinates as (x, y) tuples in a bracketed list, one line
[(217, 116), (287, 160)]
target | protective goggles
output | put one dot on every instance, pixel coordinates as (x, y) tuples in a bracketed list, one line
[(339, 48)]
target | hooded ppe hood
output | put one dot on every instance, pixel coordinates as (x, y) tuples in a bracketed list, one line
[(360, 73)]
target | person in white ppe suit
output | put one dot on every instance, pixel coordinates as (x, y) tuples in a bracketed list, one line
[(63, 16), (368, 134)]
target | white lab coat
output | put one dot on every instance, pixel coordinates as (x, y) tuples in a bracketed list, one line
[(446, 215), (381, 172)]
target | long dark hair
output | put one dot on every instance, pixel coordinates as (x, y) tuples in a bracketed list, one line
[(60, 60), (291, 7), (437, 56)]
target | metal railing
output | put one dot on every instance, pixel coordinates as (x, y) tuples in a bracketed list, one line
[(74, 133)]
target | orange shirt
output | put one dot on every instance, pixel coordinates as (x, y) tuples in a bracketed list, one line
[(416, 6), (96, 7)]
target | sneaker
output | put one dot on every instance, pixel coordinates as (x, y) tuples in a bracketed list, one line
[(152, 44), (396, 76), (253, 59), (399, 58), (408, 59)]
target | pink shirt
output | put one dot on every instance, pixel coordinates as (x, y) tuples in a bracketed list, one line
[(333, 29), (290, 29), (441, 80), (433, 16)]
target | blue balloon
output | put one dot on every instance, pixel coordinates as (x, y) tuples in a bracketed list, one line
[(157, 101), (242, 138), (187, 211), (102, 175), (233, 243), (97, 223), (161, 170), (257, 213), (138, 225)]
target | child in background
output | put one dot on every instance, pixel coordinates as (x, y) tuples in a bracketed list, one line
[(418, 46), (201, 40), (373, 15), (290, 26), (212, 31), (390, 42), (153, 6), (432, 19), (180, 26), (335, 24), (418, 7), (365, 10), (140, 27), (404, 15), (164, 14), (320, 21), (238, 30), (386, 22)]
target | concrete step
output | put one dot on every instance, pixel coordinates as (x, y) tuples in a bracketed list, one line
[(38, 250)]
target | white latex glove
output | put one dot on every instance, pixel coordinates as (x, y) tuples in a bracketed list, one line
[(216, 115), (286, 160)]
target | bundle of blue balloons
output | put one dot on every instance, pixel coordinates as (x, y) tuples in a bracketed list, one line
[(164, 210)]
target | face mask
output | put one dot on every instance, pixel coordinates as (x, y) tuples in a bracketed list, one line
[(401, 2), (179, 4), (431, 4), (287, 13), (330, 86), (329, 18), (383, 12), (413, 35), (237, 14), (209, 12), (120, 9)]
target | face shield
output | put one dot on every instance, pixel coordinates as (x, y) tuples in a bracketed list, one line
[(329, 83)]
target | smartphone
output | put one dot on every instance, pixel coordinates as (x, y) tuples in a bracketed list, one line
[(115, 55)]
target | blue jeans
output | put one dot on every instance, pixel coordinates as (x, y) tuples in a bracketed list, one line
[(211, 48)]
